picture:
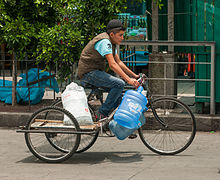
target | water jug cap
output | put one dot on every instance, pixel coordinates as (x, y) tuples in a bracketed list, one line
[(140, 89)]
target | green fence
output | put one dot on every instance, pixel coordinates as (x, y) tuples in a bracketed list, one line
[(205, 27), (195, 20)]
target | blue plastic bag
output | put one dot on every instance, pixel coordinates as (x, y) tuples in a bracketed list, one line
[(36, 90)]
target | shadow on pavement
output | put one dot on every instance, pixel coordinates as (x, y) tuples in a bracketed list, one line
[(96, 157)]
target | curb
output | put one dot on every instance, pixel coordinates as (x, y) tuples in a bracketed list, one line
[(207, 122), (13, 119)]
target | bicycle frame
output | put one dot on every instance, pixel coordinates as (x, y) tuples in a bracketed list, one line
[(99, 93), (149, 98)]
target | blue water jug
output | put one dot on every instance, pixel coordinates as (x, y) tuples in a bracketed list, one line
[(122, 132), (131, 108)]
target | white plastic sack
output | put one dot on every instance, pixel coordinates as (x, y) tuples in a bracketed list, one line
[(75, 101)]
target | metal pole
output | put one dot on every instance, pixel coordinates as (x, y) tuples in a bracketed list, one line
[(212, 91), (165, 76), (14, 79), (171, 24), (155, 24)]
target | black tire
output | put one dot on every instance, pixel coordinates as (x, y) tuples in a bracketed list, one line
[(38, 142), (86, 141), (179, 131)]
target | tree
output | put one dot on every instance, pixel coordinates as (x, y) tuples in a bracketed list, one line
[(54, 30), (81, 21), (20, 22), (93, 16), (60, 44)]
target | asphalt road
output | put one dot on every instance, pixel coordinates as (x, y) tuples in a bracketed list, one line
[(112, 159)]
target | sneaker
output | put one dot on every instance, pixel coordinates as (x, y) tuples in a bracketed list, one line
[(132, 136), (100, 116), (106, 129)]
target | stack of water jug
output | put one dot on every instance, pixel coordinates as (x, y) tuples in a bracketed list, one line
[(129, 115)]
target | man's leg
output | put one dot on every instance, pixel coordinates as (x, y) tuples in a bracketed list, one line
[(105, 80)]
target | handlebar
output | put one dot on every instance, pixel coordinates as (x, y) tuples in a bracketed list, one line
[(142, 79)]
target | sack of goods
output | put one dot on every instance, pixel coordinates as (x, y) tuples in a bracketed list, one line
[(75, 101)]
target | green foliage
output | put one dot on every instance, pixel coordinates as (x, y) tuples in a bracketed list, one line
[(93, 15), (18, 34), (60, 44), (20, 22), (55, 30), (159, 3)]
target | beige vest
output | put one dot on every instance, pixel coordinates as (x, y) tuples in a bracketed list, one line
[(90, 59)]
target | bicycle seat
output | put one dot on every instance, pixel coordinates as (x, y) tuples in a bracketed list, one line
[(90, 86), (86, 85)]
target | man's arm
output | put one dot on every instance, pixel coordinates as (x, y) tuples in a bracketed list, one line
[(118, 70), (125, 68)]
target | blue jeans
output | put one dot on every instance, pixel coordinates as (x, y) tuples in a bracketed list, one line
[(112, 84)]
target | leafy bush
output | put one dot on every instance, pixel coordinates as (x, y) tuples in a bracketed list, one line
[(55, 30), (61, 45)]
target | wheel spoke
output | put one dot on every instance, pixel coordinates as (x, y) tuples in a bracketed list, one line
[(86, 140), (44, 145), (179, 133)]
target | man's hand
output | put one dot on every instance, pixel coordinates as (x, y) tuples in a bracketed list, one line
[(137, 76), (133, 82)]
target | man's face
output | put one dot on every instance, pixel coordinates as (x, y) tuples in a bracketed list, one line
[(117, 38)]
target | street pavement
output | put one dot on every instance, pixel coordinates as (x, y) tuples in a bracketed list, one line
[(111, 159)]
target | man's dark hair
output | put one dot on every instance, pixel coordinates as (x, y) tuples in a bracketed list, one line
[(115, 26)]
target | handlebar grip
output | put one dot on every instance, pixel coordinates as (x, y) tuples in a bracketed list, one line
[(142, 78)]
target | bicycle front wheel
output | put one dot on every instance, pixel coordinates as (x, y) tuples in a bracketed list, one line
[(178, 131)]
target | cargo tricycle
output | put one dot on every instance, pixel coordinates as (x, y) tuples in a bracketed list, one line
[(169, 129)]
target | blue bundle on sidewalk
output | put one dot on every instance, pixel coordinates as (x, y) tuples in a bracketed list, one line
[(36, 90)]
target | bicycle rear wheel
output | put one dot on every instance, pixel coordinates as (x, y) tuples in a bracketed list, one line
[(86, 141), (178, 132), (40, 128)]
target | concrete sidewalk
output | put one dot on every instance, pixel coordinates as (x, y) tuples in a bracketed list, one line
[(112, 159)]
